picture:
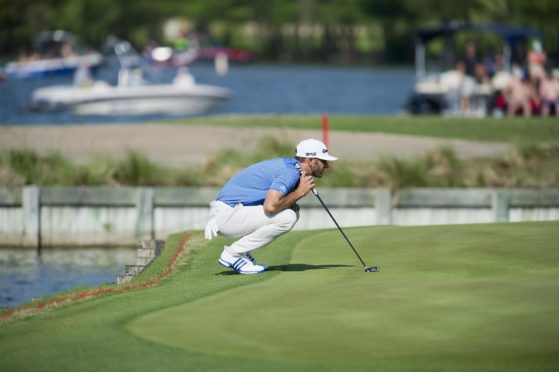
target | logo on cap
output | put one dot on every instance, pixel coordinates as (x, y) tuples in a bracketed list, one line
[(312, 148)]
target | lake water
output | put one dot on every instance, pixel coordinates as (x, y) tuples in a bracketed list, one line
[(25, 274), (268, 89)]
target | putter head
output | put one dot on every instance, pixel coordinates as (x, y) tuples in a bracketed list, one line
[(372, 269)]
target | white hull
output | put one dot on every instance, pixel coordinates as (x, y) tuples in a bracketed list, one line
[(147, 106), (102, 99)]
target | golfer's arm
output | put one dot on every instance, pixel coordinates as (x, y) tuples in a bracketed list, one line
[(275, 201)]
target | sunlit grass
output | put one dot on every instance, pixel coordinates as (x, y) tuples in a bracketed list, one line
[(510, 130), (459, 297)]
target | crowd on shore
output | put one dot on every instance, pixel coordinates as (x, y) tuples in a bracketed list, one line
[(532, 87)]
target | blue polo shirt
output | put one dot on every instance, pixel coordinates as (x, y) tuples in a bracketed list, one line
[(250, 186)]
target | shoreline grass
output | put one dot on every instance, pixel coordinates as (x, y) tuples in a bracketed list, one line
[(528, 165)]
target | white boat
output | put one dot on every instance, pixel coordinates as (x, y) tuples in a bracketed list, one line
[(132, 96), (56, 52), (177, 99)]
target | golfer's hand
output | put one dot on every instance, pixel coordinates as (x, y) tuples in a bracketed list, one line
[(306, 183)]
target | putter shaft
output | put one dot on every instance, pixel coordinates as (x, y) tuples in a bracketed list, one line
[(315, 192), (339, 228)]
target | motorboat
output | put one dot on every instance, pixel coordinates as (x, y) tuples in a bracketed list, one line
[(436, 90), (55, 53), (132, 97)]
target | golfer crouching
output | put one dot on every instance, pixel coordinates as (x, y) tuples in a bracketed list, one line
[(259, 203)]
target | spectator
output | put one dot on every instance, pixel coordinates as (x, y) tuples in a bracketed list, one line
[(519, 94), (481, 74), (184, 77), (537, 56), (470, 59), (549, 94), (537, 60), (466, 88), (494, 64), (82, 76), (136, 78)]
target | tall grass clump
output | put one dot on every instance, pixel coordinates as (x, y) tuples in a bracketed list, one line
[(22, 163), (439, 167), (137, 169), (524, 165), (444, 167), (31, 168), (398, 173), (100, 171), (534, 166)]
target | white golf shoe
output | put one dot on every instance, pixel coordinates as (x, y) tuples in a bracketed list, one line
[(251, 259), (241, 264)]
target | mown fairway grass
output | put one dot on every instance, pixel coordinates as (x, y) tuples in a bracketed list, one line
[(462, 297), (511, 130)]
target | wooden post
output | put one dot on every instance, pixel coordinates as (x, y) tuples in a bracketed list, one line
[(31, 216), (145, 226), (383, 206), (500, 205)]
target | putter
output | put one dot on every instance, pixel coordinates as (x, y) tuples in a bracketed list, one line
[(368, 269)]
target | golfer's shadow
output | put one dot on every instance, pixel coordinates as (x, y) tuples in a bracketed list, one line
[(303, 267), (293, 267)]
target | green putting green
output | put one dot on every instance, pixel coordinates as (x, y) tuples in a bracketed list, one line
[(462, 297)]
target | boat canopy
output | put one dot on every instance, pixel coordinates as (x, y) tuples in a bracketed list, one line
[(511, 35), (52, 41)]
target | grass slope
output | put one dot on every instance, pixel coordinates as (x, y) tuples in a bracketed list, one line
[(460, 297), (511, 130)]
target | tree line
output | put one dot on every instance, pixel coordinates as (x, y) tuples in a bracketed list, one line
[(349, 31)]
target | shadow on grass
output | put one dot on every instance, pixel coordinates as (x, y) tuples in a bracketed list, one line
[(291, 267), (303, 267)]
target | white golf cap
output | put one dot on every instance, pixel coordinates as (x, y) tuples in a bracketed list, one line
[(311, 148)]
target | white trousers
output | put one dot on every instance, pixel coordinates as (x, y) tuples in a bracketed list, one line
[(255, 228)]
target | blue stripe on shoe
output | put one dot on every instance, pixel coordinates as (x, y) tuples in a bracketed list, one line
[(239, 263)]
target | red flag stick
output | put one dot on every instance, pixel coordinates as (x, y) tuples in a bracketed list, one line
[(325, 129)]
